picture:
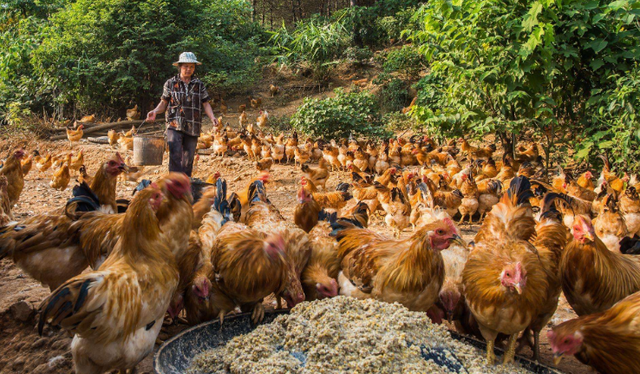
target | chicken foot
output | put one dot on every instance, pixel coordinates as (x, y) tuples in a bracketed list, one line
[(491, 356), (257, 315)]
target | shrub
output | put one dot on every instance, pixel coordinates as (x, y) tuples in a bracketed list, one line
[(357, 55), (408, 61), (393, 95), (345, 114)]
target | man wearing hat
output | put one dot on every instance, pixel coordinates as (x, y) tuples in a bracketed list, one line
[(186, 97)]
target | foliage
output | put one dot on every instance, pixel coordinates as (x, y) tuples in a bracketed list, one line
[(393, 94), (398, 121), (408, 61), (345, 114), (106, 55), (512, 67), (357, 55)]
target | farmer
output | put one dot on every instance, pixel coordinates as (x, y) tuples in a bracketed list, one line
[(186, 97)]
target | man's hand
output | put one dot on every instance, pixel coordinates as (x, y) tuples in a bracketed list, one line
[(151, 116), (215, 121)]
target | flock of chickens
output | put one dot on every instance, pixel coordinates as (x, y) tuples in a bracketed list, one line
[(227, 252)]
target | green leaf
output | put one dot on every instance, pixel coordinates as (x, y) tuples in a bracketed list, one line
[(596, 64)]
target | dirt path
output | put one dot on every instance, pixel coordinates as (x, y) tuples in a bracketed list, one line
[(23, 351)]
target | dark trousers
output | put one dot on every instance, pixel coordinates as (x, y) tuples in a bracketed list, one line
[(182, 149)]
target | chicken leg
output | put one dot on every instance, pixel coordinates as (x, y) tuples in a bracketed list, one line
[(491, 356), (510, 353)]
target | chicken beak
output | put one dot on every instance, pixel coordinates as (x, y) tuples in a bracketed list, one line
[(589, 236), (518, 288), (557, 357), (124, 167), (458, 240)]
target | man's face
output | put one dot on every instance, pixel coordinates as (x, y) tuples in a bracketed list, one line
[(186, 70)]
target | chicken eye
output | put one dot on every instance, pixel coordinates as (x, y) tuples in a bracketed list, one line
[(440, 232), (508, 274)]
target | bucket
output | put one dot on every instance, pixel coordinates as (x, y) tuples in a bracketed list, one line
[(147, 150)]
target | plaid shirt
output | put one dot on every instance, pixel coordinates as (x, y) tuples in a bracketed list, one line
[(184, 111)]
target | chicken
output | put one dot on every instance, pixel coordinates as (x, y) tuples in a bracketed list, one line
[(476, 152), (407, 109), (290, 146), (44, 164), (263, 119), (90, 118), (220, 145), (489, 193), (505, 280), (608, 341), (133, 114), (469, 204), (12, 170), (274, 90), (265, 217), (301, 155), (83, 176), (630, 208), (264, 164), (593, 277), (105, 180), (334, 200), (586, 181), (61, 177), (131, 132), (610, 224), (278, 149), (396, 206), (203, 206), (409, 271), (306, 212), (255, 102), (126, 143), (77, 161), (75, 135), (113, 136), (5, 206), (319, 277), (248, 267), (319, 175), (242, 119), (26, 165), (116, 312), (617, 184)]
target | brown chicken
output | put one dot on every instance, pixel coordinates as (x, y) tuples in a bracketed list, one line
[(586, 181), (593, 277), (75, 135), (505, 279), (319, 175), (306, 212), (133, 114), (630, 208), (12, 169), (319, 277), (61, 177), (409, 271), (469, 204), (334, 200), (608, 341), (113, 136), (43, 164), (5, 205), (83, 176), (26, 165), (118, 310), (396, 205), (610, 224), (77, 161), (274, 90), (265, 217)]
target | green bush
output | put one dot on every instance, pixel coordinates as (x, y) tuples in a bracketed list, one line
[(357, 55), (407, 61), (393, 95), (354, 113)]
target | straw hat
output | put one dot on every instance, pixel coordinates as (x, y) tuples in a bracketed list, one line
[(187, 58)]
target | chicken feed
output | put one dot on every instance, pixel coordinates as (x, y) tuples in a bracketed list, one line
[(347, 335)]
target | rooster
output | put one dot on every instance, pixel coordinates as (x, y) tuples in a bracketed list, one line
[(116, 312), (12, 170), (608, 341), (306, 212), (409, 271), (593, 277), (506, 280)]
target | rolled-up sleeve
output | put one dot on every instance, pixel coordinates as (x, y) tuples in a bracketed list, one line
[(166, 91), (204, 95)]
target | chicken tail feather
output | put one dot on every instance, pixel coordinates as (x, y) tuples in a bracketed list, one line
[(220, 202), (520, 191), (64, 302)]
